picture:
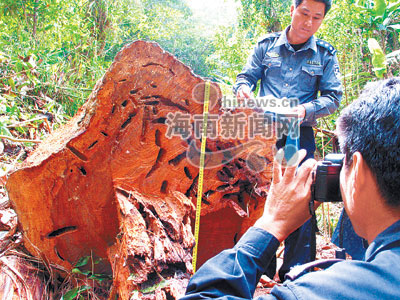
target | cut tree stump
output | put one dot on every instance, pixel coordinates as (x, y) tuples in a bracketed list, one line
[(112, 184)]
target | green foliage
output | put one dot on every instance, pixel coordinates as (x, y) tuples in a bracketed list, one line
[(151, 289), (75, 292), (379, 14), (341, 30), (327, 217), (378, 57), (231, 51), (22, 111), (267, 15), (169, 23), (232, 45), (69, 66), (379, 19), (85, 266), (75, 41), (84, 269)]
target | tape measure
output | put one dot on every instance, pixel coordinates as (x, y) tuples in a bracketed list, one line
[(201, 172)]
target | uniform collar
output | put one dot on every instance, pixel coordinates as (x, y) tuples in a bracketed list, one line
[(283, 41), (387, 237)]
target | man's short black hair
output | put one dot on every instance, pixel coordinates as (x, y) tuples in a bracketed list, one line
[(371, 126), (328, 4)]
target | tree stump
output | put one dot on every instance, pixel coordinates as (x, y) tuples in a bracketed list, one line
[(114, 183)]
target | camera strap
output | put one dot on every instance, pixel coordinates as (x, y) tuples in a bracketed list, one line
[(300, 270), (313, 265), (314, 228), (341, 252)]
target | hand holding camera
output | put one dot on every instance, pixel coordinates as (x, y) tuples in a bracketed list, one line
[(286, 207), (326, 181), (287, 203)]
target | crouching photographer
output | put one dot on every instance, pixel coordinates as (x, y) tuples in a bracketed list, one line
[(369, 137)]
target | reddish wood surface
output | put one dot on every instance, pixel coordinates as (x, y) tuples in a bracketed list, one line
[(111, 184)]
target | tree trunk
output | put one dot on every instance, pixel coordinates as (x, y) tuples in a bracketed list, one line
[(35, 18), (118, 183)]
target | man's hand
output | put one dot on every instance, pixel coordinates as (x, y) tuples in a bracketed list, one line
[(298, 111), (286, 208), (244, 92)]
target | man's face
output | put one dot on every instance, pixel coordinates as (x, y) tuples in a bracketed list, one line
[(345, 187), (306, 19), (350, 199)]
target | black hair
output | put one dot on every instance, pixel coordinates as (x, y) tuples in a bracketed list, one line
[(328, 4), (371, 126)]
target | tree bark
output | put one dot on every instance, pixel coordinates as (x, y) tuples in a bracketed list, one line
[(114, 184), (35, 18)]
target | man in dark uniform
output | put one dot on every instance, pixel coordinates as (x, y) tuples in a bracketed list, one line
[(295, 64)]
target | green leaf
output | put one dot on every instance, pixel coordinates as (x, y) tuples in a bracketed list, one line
[(71, 294), (82, 261), (393, 54), (77, 271), (19, 65), (363, 6), (151, 289), (378, 57), (100, 277), (392, 7), (48, 27), (86, 273), (395, 27), (4, 130), (2, 57), (9, 96), (379, 7), (98, 260), (11, 82)]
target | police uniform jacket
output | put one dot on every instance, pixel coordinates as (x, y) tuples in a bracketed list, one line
[(233, 274), (300, 74)]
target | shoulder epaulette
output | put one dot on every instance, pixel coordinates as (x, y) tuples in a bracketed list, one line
[(326, 45), (269, 36)]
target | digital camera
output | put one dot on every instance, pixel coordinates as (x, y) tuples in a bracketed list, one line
[(326, 179)]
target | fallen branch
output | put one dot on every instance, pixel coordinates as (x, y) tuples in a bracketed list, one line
[(13, 139), (325, 131), (26, 122)]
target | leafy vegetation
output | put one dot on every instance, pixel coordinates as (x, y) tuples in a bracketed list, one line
[(84, 282)]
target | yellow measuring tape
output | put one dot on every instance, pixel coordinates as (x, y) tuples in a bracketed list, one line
[(201, 172)]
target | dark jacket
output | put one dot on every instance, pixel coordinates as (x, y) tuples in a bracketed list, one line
[(285, 73), (234, 273)]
